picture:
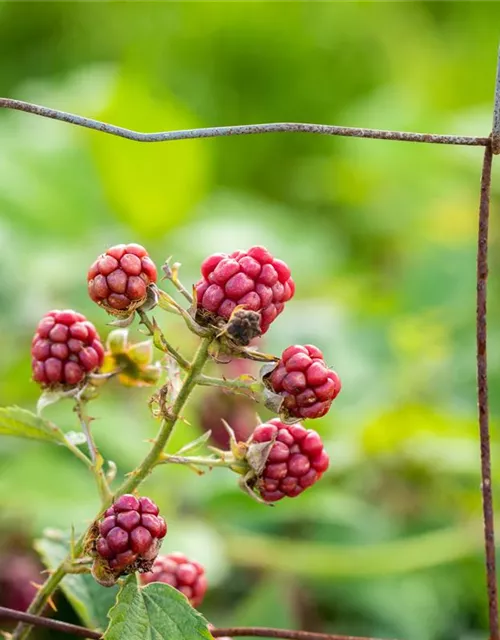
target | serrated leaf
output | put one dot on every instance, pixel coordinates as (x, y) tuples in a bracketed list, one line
[(89, 599), (155, 612), (21, 423)]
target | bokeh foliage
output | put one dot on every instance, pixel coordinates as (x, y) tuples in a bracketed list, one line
[(380, 237)]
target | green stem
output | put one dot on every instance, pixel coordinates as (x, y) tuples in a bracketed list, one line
[(228, 462), (95, 456), (136, 477), (168, 423), (79, 454), (236, 385), (172, 273), (167, 303), (162, 343)]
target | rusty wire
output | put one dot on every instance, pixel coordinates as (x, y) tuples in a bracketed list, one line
[(482, 390), (240, 130), (247, 632), (492, 147)]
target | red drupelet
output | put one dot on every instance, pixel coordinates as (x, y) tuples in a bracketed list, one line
[(65, 349)]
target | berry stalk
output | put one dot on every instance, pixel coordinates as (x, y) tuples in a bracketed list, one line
[(95, 456), (134, 480), (154, 456), (194, 461), (161, 342), (248, 387)]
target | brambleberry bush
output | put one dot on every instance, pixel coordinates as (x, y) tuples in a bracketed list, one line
[(238, 298)]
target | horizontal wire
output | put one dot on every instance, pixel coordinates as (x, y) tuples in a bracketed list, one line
[(240, 130), (256, 632)]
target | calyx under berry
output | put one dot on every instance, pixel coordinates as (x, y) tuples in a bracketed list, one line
[(295, 459), (301, 385)]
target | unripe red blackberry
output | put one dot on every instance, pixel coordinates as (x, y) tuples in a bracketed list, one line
[(187, 576), (65, 349), (307, 385), (296, 461), (119, 278), (251, 278), (19, 572), (130, 535)]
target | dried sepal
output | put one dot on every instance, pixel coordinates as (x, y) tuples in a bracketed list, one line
[(51, 396), (247, 485), (242, 327), (195, 444), (257, 455)]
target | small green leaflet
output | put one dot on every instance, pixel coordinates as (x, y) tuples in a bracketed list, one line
[(155, 612), (90, 601), (24, 424)]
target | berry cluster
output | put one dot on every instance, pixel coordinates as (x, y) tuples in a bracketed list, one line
[(130, 535), (65, 349), (187, 576), (238, 297), (296, 461), (307, 385), (253, 279), (119, 278)]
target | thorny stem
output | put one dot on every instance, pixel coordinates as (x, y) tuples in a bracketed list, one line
[(195, 461), (134, 480), (95, 456), (79, 454), (85, 424), (172, 274), (166, 302), (164, 345), (168, 423)]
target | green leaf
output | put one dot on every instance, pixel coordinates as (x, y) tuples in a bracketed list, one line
[(24, 424), (155, 612), (89, 599)]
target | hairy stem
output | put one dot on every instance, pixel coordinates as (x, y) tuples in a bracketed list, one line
[(194, 461), (95, 456), (133, 481), (80, 455), (162, 343), (145, 468), (172, 274), (236, 385)]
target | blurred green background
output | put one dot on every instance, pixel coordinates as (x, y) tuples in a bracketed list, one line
[(380, 237)]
